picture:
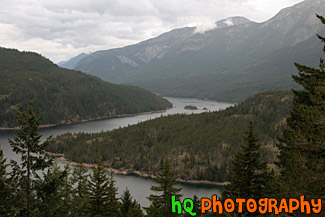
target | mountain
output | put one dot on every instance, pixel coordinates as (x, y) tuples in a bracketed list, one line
[(117, 65), (65, 96), (70, 64), (200, 146), (229, 63)]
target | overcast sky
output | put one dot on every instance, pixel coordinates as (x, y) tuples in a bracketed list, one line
[(61, 29)]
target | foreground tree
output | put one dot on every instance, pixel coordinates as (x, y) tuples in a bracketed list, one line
[(27, 143), (113, 203), (80, 194), (50, 198), (302, 146), (249, 177), (5, 191), (161, 204), (103, 201), (130, 207)]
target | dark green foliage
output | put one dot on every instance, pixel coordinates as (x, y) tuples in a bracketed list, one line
[(161, 204), (130, 207), (249, 176), (102, 193), (113, 203), (51, 199), (5, 191), (27, 144), (66, 192), (190, 107), (302, 146), (200, 146), (80, 193), (37, 187), (197, 205), (65, 96)]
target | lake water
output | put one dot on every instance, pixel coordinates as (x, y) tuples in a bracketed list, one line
[(138, 186)]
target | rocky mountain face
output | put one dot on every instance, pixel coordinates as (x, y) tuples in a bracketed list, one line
[(231, 62), (116, 65)]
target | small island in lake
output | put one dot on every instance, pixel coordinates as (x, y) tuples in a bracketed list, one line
[(190, 107)]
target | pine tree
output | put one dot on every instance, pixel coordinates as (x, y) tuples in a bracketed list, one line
[(249, 177), (80, 194), (197, 205), (5, 194), (103, 201), (196, 209), (49, 193), (27, 143), (130, 207), (302, 146), (161, 204), (114, 204), (66, 193)]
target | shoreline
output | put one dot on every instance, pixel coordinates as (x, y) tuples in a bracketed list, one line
[(62, 159), (44, 126), (200, 99)]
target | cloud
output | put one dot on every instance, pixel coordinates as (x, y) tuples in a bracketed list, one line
[(205, 26), (229, 22), (61, 29)]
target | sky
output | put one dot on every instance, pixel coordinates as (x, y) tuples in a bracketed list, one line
[(61, 29)]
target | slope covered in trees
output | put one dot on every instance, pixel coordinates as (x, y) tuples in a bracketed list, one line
[(64, 95), (200, 146)]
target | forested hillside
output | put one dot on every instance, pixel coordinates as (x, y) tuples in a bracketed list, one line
[(200, 146), (64, 96)]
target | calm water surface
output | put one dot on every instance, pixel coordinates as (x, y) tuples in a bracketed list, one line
[(138, 186)]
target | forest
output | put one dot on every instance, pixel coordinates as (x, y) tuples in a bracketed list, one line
[(64, 96), (143, 147)]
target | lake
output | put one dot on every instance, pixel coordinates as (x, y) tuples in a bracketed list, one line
[(138, 186)]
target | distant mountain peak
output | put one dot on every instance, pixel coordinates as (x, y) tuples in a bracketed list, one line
[(70, 64), (228, 22), (297, 21), (232, 21)]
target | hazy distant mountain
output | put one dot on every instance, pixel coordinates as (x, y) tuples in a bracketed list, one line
[(70, 64), (229, 63)]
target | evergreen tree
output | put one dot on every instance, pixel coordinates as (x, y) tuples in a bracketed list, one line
[(197, 205), (80, 194), (49, 193), (249, 176), (129, 207), (302, 146), (5, 195), (196, 209), (27, 143), (66, 192), (161, 204), (113, 203), (103, 201)]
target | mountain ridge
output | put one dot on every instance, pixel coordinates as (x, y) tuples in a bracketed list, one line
[(70, 64), (65, 96), (228, 64)]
